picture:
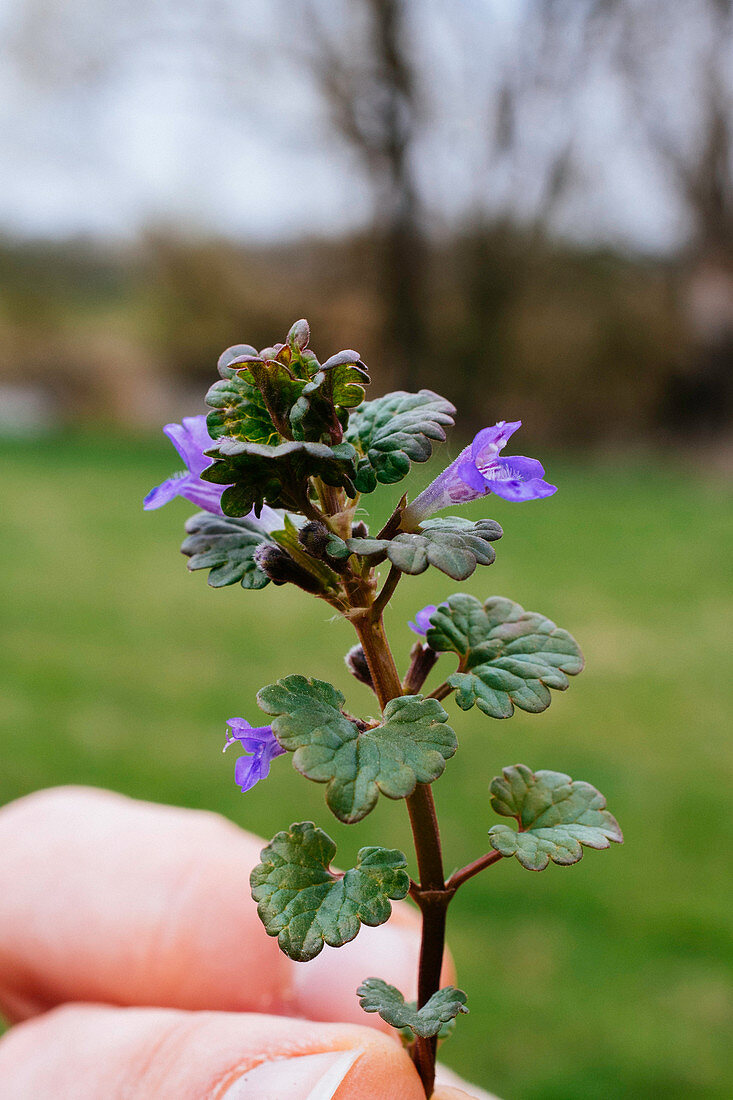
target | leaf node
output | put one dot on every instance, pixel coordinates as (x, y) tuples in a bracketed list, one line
[(376, 995), (357, 762), (453, 544)]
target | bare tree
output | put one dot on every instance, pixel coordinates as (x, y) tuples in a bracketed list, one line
[(362, 65), (674, 63)]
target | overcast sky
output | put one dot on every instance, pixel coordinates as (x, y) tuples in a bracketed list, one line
[(114, 116)]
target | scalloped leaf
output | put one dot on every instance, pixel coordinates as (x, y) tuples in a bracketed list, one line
[(410, 746), (376, 995), (278, 475), (276, 382), (556, 815), (453, 544), (230, 360), (322, 408), (226, 547), (238, 411), (302, 902), (395, 430), (509, 657)]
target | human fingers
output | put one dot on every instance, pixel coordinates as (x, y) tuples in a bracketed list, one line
[(82, 1052), (106, 899)]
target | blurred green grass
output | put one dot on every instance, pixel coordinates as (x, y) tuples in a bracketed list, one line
[(608, 979)]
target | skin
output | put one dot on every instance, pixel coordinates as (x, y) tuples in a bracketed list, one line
[(133, 964)]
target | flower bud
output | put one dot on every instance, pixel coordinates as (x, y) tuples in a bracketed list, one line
[(276, 564), (356, 663), (314, 537), (323, 544)]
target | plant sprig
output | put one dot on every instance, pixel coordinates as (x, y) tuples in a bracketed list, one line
[(287, 453)]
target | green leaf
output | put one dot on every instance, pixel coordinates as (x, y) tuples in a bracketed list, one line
[(377, 996), (226, 547), (239, 412), (509, 657), (556, 816), (299, 336), (410, 746), (280, 390), (394, 430), (305, 905), (324, 403), (454, 545), (230, 361), (276, 475)]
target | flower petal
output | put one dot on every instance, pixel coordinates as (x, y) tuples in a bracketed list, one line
[(243, 731), (202, 493), (489, 441), (516, 491), (516, 468), (478, 470), (191, 438), (422, 619), (164, 493), (472, 476), (270, 519), (250, 769)]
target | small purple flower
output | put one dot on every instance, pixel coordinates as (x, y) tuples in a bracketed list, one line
[(478, 470), (421, 624), (260, 741), (190, 438)]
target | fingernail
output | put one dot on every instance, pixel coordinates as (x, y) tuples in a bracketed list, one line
[(309, 1077)]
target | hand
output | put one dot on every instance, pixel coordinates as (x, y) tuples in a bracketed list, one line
[(133, 963)]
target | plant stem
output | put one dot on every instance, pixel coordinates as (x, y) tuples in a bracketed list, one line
[(379, 657), (431, 895), (331, 500), (387, 591), (434, 907), (422, 660), (441, 692), (459, 877)]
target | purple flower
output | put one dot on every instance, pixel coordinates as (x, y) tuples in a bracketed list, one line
[(479, 470), (190, 438), (260, 741), (422, 620)]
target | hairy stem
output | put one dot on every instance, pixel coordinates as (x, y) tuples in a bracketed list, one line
[(329, 496), (431, 894), (422, 660)]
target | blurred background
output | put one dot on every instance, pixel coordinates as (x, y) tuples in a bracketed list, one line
[(526, 205)]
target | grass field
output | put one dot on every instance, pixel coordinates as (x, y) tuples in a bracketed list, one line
[(610, 979)]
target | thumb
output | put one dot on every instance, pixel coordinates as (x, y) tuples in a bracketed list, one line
[(82, 1052)]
